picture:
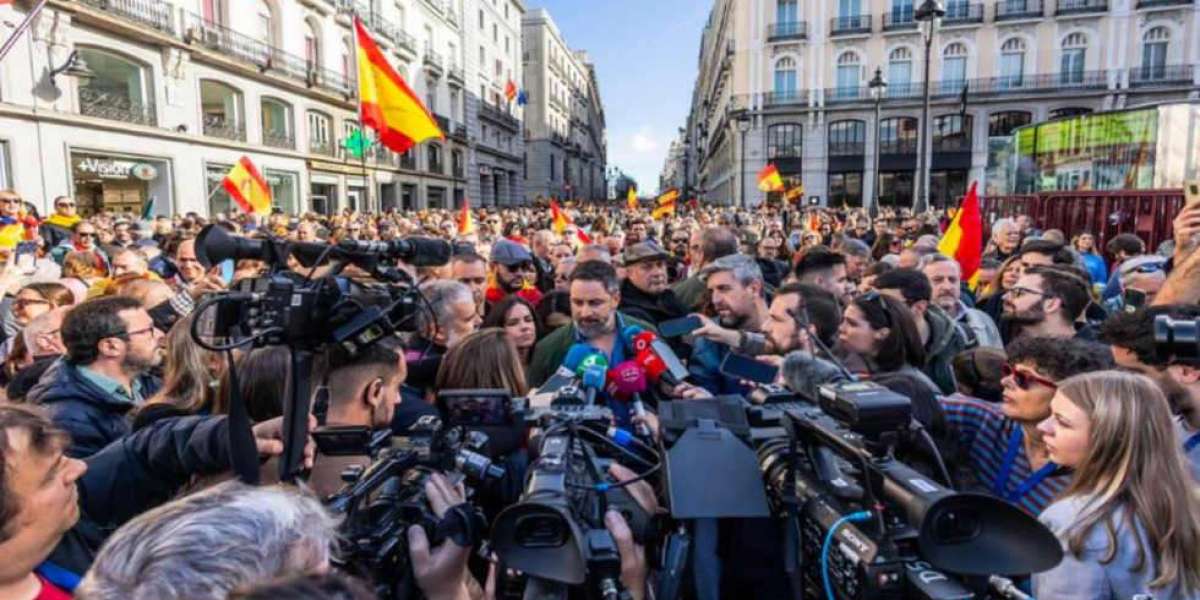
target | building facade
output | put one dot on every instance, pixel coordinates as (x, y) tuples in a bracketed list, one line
[(565, 146), (492, 37), (175, 91), (786, 82)]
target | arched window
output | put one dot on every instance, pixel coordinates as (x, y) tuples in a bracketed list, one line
[(785, 140), (954, 67), (320, 133), (348, 70), (312, 43), (900, 73), (1155, 43), (221, 109), (898, 135), (277, 124), (1002, 124), (847, 138), (120, 89), (1012, 63), (264, 16), (849, 74), (1074, 59), (785, 79)]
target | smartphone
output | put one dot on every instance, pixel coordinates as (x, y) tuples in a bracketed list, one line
[(741, 366), (1191, 193), (680, 326), (1134, 299), (227, 267), (27, 257), (474, 408)]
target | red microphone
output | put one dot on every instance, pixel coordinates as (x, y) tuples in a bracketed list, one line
[(642, 341), (625, 380), (652, 364)]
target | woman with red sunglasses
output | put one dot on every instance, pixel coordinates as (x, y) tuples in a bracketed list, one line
[(1001, 449)]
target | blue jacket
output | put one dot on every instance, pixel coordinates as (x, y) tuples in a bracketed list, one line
[(1096, 268), (92, 417), (705, 369)]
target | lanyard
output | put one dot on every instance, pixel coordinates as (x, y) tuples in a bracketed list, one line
[(1191, 442), (64, 579), (1000, 485)]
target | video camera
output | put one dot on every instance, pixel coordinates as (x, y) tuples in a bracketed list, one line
[(1177, 340)]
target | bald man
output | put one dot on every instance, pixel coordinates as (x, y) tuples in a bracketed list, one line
[(44, 341)]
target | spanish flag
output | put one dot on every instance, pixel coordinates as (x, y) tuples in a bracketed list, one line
[(631, 201), (561, 220), (248, 188), (665, 205), (466, 222), (769, 179), (510, 90), (794, 194), (386, 103), (963, 239)]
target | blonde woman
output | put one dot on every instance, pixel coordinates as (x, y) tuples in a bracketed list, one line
[(1129, 522)]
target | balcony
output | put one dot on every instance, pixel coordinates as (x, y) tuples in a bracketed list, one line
[(899, 21), (263, 56), (499, 117), (408, 160), (847, 94), (322, 147), (459, 132), (785, 98), (151, 13), (1080, 7), (1162, 3), (1012, 10), (435, 165), (1044, 82), (1161, 75), (383, 156), (847, 148), (219, 127), (279, 139), (443, 122), (102, 105), (457, 74), (434, 61), (963, 14), (854, 24), (793, 30), (406, 41)]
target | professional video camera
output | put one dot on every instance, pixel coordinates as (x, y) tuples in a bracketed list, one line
[(381, 501), (1177, 339)]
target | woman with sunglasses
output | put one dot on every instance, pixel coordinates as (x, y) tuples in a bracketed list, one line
[(1129, 522), (1000, 450)]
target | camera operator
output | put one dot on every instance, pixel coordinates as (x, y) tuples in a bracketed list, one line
[(1129, 523), (1001, 451), (735, 285)]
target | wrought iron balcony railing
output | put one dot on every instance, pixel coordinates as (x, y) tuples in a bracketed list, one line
[(279, 139), (1161, 75), (152, 13), (791, 30), (220, 127), (1007, 10), (114, 107), (898, 21), (850, 25), (1075, 7)]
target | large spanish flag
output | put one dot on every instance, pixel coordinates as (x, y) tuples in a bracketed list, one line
[(466, 222), (963, 239), (769, 179), (665, 205), (248, 188), (386, 103), (631, 201)]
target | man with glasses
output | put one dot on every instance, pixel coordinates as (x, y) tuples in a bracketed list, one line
[(1141, 278), (512, 272), (111, 347), (1047, 301), (1001, 451), (56, 228)]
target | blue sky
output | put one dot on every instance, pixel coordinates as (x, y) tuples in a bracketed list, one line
[(645, 54)]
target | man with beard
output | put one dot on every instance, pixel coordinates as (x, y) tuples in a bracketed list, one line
[(735, 284), (470, 269), (111, 344), (645, 293), (595, 321), (1045, 302), (945, 276), (512, 272), (825, 269), (1131, 339)]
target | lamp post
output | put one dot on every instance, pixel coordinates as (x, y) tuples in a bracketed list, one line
[(743, 125), (686, 141), (878, 88), (929, 15)]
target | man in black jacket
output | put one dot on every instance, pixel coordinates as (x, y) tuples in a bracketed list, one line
[(44, 342), (645, 293), (112, 344)]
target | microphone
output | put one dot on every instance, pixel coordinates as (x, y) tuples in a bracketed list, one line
[(591, 371), (627, 381), (652, 365), (671, 366), (564, 375)]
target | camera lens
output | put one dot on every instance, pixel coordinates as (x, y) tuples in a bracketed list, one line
[(1176, 339), (541, 531)]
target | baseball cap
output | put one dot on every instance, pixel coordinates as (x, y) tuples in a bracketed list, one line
[(641, 251), (509, 253)]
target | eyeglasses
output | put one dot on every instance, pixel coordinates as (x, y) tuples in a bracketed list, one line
[(129, 334), (1025, 379), (1017, 292), (23, 302), (9, 200), (65, 205)]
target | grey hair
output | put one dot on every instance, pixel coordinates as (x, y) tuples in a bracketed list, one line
[(744, 268), (440, 295), (1002, 224), (854, 247), (203, 546)]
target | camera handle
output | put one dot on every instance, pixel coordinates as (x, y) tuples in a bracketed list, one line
[(295, 415), (674, 564)]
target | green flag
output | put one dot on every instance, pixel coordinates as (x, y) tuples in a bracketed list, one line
[(357, 144), (148, 209)]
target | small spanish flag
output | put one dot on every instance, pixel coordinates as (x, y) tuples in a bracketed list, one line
[(510, 90), (631, 201), (386, 103), (560, 221), (963, 240), (248, 188), (466, 222), (665, 205), (795, 194), (769, 179)]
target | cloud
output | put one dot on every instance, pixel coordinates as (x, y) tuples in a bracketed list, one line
[(643, 142)]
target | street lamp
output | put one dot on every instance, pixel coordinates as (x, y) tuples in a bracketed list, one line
[(929, 15), (743, 125), (878, 88)]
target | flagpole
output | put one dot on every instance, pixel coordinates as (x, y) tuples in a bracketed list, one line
[(12, 39), (362, 128)]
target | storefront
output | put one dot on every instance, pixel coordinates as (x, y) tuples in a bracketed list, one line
[(121, 183), (284, 187), (323, 192)]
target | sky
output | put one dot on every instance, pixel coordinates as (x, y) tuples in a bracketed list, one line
[(645, 52)]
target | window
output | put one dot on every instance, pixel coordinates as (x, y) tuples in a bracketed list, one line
[(849, 74), (952, 133), (1155, 43), (785, 11), (456, 163), (284, 187), (277, 124), (847, 138), (495, 33), (482, 56), (898, 135), (119, 90), (958, 10), (1070, 111), (902, 11), (6, 181), (319, 133), (435, 158), (785, 79), (954, 67), (899, 77), (221, 109), (1012, 64), (507, 48), (849, 8), (312, 44), (481, 23), (348, 70), (845, 189), (431, 95), (1074, 52), (265, 21), (784, 140), (553, 162), (400, 15), (1003, 124)]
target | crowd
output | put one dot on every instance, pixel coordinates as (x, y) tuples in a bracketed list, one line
[(1040, 380)]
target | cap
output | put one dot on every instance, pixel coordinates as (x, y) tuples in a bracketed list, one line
[(644, 251), (509, 253)]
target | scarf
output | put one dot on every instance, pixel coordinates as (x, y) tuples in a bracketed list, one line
[(62, 221)]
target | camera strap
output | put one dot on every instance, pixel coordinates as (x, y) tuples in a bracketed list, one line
[(462, 523), (1000, 485), (243, 452)]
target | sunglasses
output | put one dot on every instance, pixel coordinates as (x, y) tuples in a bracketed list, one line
[(874, 297), (85, 234), (65, 205), (1025, 379)]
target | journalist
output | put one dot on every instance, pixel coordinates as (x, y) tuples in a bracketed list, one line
[(735, 286), (941, 338), (880, 333)]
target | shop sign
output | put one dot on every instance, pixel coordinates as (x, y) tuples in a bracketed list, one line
[(115, 169)]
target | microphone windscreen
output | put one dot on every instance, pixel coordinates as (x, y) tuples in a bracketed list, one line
[(652, 365), (642, 341), (628, 378), (594, 359), (576, 354), (593, 377)]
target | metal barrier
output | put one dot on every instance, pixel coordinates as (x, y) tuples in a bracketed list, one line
[(1146, 213)]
